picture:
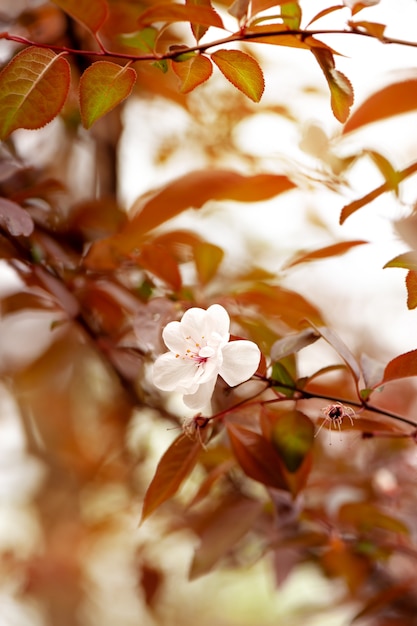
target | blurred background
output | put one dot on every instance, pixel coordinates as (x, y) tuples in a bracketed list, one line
[(75, 457)]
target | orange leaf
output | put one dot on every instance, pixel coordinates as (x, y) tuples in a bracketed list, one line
[(102, 87), (391, 100), (193, 72), (90, 13), (325, 12), (275, 34), (158, 260), (256, 456), (341, 91), (173, 468), (402, 366), (276, 301), (391, 185), (242, 71), (324, 253), (411, 283), (199, 30), (166, 12), (33, 89), (196, 188)]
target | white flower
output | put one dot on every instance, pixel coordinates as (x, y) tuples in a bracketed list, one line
[(199, 350)]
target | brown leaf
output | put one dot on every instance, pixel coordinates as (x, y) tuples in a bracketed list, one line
[(174, 467)]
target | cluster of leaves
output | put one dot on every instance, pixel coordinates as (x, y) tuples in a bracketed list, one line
[(109, 282)]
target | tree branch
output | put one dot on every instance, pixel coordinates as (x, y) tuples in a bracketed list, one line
[(240, 36)]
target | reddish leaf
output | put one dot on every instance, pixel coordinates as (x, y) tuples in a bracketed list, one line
[(33, 89), (293, 437), (240, 10), (221, 530), (293, 343), (166, 12), (173, 468), (411, 283), (242, 71), (257, 456), (341, 91), (90, 13), (391, 100), (207, 259), (102, 87), (197, 188), (193, 72), (343, 351), (402, 366), (324, 253), (15, 219)]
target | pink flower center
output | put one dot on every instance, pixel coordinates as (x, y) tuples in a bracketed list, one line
[(199, 353)]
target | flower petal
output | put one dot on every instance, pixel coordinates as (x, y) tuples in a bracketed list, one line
[(174, 338), (193, 323), (240, 361), (219, 320), (201, 398), (174, 374)]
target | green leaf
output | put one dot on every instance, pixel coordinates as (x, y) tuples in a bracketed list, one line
[(91, 13), (341, 91), (33, 89), (403, 366), (293, 437), (173, 468), (256, 456), (143, 40), (103, 86), (323, 253), (242, 71), (291, 15), (192, 72), (283, 379), (392, 100)]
